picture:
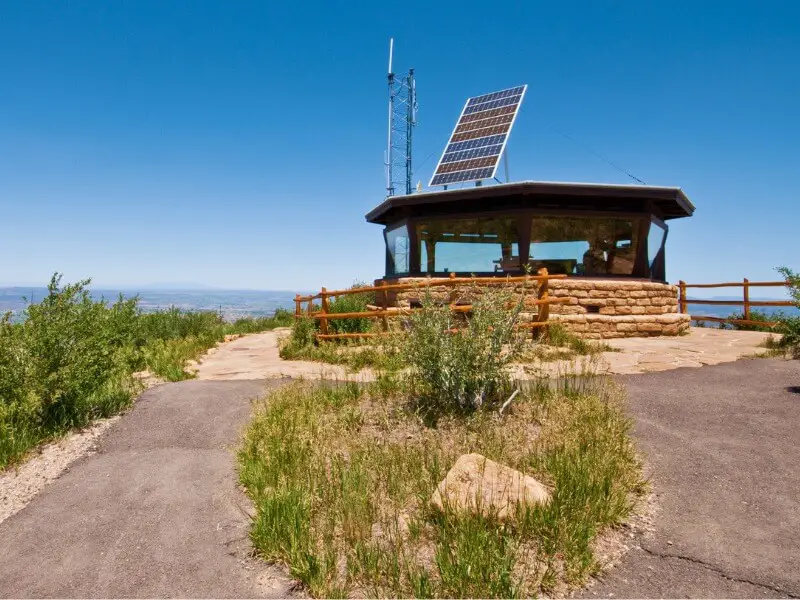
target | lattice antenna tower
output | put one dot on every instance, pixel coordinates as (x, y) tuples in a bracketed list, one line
[(402, 120)]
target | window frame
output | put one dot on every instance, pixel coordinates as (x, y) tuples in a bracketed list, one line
[(524, 218)]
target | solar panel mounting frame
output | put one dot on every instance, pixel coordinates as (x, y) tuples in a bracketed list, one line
[(503, 145)]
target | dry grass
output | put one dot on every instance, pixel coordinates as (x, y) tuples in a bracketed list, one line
[(341, 477)]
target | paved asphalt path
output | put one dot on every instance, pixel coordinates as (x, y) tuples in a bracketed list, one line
[(155, 513), (722, 445)]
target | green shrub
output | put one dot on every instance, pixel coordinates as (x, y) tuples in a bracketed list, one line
[(755, 315), (460, 362), (281, 318), (71, 359), (68, 362), (788, 326), (351, 303)]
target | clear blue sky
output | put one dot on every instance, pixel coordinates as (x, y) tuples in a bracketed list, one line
[(239, 144)]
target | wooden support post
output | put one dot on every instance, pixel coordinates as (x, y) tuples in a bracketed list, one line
[(453, 296), (310, 308), (544, 294), (383, 302), (323, 321), (297, 310), (682, 297), (746, 288)]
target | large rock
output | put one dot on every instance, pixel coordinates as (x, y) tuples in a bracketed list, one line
[(476, 484)]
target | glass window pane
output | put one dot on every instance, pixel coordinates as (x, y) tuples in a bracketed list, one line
[(583, 245), (397, 243), (654, 241), (469, 246)]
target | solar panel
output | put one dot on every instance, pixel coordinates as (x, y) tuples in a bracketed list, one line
[(477, 142)]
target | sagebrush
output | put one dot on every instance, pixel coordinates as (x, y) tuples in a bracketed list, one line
[(461, 361)]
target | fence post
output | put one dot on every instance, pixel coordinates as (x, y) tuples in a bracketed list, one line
[(544, 294), (383, 301), (682, 297), (746, 288), (310, 308), (323, 321), (297, 310)]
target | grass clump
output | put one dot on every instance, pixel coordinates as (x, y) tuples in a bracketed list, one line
[(342, 476), (71, 359), (559, 343)]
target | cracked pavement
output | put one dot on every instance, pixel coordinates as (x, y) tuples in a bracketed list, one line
[(722, 447)]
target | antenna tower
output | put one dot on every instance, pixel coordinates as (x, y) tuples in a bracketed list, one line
[(402, 120)]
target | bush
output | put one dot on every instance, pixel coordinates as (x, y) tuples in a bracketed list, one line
[(788, 326), (351, 303), (457, 365), (755, 315), (281, 318), (71, 359), (68, 362)]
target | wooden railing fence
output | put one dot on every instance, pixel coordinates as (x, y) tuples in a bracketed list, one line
[(384, 311), (745, 284)]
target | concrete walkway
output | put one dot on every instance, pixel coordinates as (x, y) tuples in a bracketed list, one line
[(722, 445), (155, 513)]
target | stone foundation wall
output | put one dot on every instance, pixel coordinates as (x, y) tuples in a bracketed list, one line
[(597, 308)]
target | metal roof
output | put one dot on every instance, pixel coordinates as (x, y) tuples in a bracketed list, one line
[(670, 201)]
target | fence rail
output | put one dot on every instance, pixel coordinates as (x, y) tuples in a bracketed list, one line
[(745, 302), (383, 311)]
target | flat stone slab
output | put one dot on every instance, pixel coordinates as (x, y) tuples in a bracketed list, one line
[(255, 356)]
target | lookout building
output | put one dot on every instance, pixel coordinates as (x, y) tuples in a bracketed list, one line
[(584, 230), (610, 240)]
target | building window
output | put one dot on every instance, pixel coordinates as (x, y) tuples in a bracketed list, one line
[(397, 247), (655, 240), (487, 245), (583, 245)]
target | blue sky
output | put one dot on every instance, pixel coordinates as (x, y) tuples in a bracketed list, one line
[(239, 144)]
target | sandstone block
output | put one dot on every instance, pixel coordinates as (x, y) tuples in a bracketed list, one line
[(478, 485)]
